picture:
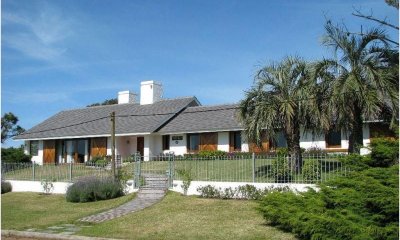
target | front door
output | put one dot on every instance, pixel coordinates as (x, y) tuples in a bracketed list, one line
[(140, 145), (49, 151)]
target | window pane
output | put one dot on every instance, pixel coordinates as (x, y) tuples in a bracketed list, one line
[(34, 148), (194, 142), (237, 141)]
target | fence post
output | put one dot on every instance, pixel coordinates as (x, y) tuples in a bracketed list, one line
[(70, 171), (253, 158), (170, 172), (33, 171)]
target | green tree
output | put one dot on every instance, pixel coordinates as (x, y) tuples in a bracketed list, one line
[(282, 98), (111, 101), (9, 127), (361, 82)]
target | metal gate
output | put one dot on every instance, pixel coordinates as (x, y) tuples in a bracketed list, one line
[(161, 166)]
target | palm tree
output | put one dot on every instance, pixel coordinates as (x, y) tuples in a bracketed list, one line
[(361, 82), (281, 99)]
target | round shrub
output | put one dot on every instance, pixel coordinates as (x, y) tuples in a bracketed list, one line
[(5, 187), (311, 170), (91, 189)]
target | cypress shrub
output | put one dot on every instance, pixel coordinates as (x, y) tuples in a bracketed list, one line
[(362, 205)]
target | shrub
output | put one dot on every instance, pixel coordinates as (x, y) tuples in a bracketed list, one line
[(47, 186), (311, 170), (282, 151), (248, 192), (187, 178), (361, 205), (208, 191), (280, 170), (14, 155), (91, 189), (5, 187), (315, 151), (384, 152), (228, 193)]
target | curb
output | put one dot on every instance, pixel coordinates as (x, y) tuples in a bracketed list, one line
[(40, 235)]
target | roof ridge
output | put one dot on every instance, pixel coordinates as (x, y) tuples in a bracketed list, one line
[(125, 104)]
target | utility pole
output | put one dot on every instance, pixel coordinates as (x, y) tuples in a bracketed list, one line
[(113, 143)]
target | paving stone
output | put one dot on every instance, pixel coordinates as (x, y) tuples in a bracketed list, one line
[(147, 196)]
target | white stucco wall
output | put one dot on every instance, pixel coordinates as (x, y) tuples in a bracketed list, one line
[(308, 140), (177, 186), (223, 141), (39, 158), (126, 146), (178, 146), (59, 187)]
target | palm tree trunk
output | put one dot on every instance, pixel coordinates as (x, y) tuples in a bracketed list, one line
[(356, 132), (293, 142)]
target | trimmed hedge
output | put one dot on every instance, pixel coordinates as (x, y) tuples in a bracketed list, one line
[(90, 189)]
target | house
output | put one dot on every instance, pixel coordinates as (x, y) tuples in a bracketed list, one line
[(153, 126)]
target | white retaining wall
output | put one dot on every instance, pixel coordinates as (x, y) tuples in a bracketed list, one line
[(177, 186), (59, 187)]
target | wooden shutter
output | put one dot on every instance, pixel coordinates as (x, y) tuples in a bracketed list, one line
[(98, 147), (208, 142), (49, 151), (253, 147)]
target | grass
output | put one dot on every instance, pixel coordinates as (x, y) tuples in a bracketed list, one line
[(179, 217), (238, 170), (20, 211)]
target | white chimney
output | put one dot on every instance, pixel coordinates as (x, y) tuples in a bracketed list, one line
[(126, 97), (150, 92)]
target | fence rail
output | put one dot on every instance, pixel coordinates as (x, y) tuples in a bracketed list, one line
[(245, 168)]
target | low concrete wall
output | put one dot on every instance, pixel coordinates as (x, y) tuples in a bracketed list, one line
[(177, 186), (36, 186), (59, 187)]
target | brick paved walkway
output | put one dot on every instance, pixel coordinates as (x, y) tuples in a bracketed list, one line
[(153, 191)]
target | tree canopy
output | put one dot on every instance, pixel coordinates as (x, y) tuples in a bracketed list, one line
[(9, 127)]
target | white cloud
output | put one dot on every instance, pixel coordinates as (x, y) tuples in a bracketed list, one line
[(39, 35)]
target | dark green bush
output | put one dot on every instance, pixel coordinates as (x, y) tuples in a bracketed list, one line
[(384, 152), (280, 170), (311, 170), (14, 155), (91, 189), (5, 187), (362, 205)]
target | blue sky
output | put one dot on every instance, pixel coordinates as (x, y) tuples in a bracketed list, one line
[(59, 55)]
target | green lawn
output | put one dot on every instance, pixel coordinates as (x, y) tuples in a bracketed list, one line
[(175, 217), (21, 211), (179, 217)]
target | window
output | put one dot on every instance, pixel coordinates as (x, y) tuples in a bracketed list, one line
[(235, 141), (165, 142), (34, 148), (193, 141), (333, 139)]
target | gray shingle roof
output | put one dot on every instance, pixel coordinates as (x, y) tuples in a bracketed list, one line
[(204, 118), (92, 121)]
